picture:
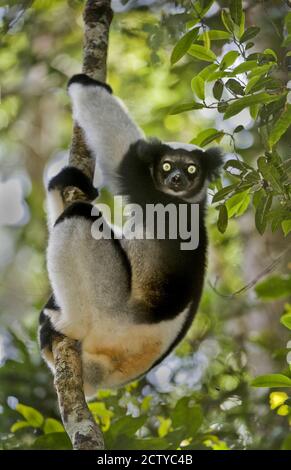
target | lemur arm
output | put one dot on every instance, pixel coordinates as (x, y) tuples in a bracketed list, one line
[(108, 128)]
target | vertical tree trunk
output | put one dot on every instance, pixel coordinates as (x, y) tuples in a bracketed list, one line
[(78, 421)]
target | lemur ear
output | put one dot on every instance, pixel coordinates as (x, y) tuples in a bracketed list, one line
[(213, 161), (146, 150)]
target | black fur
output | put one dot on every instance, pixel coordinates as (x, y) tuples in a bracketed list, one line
[(47, 333), (212, 160), (78, 209), (85, 80), (71, 176), (182, 272)]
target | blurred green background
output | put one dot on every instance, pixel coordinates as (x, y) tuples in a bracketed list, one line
[(200, 397)]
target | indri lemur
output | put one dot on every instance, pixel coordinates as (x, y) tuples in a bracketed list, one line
[(128, 302)]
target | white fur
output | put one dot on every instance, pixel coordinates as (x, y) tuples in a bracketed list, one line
[(109, 130), (55, 206)]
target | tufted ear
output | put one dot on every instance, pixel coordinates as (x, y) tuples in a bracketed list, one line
[(212, 162), (148, 150)]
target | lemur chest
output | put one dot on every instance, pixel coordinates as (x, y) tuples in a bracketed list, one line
[(114, 354)]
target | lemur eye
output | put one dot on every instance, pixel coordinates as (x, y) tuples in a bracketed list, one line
[(166, 166), (191, 169)]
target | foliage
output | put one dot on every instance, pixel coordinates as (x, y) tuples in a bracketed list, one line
[(242, 79), (203, 73)]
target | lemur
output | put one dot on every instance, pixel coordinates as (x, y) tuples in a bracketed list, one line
[(128, 302)]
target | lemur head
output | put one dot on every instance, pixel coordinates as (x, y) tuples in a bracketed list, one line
[(180, 170)]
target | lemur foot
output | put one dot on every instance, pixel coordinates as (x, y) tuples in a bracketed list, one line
[(71, 176), (83, 79)]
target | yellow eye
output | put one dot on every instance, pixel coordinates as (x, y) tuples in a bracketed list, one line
[(166, 166), (191, 169)]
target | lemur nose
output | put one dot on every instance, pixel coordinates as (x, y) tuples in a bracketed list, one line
[(176, 178)]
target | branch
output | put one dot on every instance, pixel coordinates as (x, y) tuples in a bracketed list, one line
[(78, 421)]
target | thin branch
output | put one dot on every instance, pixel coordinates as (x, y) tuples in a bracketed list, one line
[(268, 269), (78, 421)]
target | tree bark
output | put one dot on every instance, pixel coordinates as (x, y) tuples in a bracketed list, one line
[(80, 425)]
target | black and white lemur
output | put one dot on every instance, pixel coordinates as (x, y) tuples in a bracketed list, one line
[(128, 302)]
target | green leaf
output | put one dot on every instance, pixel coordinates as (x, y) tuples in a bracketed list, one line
[(19, 425), (202, 53), (222, 221), (32, 416), (249, 33), (251, 83), (207, 71), (126, 425), (281, 126), (223, 193), (182, 46), (53, 441), (245, 67), (227, 21), (238, 204), (242, 103), (206, 137), (272, 381), (235, 9), (215, 35), (286, 320), (270, 52), (52, 425), (229, 58), (217, 89), (286, 226), (261, 70), (234, 87), (187, 417), (261, 214), (197, 85), (182, 108), (270, 173), (274, 287)]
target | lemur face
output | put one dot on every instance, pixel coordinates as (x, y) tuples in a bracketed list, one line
[(178, 173), (180, 170)]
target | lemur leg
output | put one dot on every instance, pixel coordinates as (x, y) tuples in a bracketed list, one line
[(46, 331), (68, 176), (108, 128)]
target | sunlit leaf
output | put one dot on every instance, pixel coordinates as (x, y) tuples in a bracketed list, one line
[(286, 227), (242, 103), (183, 45), (272, 381), (286, 320), (197, 85), (228, 59), (52, 425), (274, 287), (216, 35), (202, 53), (32, 416), (280, 126)]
